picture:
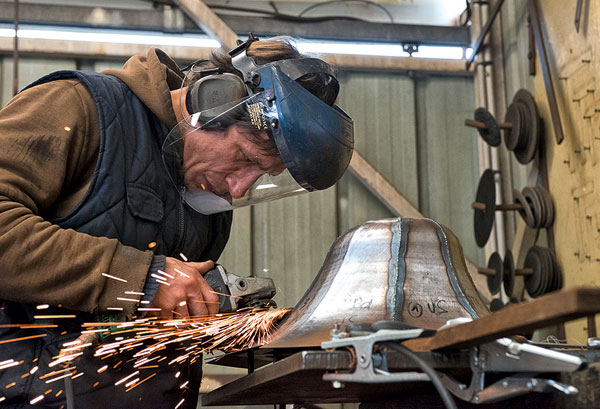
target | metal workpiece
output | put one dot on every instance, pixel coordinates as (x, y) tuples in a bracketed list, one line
[(408, 270)]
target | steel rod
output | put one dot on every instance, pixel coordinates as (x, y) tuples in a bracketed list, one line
[(541, 48), (487, 271), (499, 207), (480, 125), (484, 32), (16, 50), (524, 271)]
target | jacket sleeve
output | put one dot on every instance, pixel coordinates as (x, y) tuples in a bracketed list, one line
[(49, 141)]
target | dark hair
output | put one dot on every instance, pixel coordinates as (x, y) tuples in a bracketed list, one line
[(264, 52)]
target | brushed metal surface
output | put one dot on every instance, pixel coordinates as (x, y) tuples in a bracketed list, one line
[(409, 270)]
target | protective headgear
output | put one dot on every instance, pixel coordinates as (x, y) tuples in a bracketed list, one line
[(315, 140)]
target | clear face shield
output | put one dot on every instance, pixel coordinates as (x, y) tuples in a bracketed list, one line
[(256, 139), (201, 155)]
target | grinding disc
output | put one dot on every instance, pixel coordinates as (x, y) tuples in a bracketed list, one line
[(533, 125), (548, 204), (532, 198), (533, 281), (511, 136), (492, 132), (524, 132), (546, 269), (543, 205), (494, 282), (483, 220), (525, 213), (559, 275), (509, 273), (555, 273), (496, 304)]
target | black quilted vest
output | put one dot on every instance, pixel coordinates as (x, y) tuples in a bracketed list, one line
[(131, 198)]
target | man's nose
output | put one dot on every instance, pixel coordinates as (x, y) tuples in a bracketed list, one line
[(239, 182)]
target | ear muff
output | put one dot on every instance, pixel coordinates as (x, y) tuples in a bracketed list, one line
[(213, 91)]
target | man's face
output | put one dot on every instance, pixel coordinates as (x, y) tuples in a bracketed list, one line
[(225, 162)]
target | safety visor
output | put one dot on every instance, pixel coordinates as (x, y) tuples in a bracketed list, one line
[(192, 148), (314, 140)]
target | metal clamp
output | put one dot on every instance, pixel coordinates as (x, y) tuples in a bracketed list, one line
[(365, 370), (506, 355)]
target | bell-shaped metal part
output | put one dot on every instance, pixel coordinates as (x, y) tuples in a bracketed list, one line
[(407, 270)]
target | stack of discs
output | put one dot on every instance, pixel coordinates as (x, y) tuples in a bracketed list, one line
[(546, 276), (538, 209), (524, 135)]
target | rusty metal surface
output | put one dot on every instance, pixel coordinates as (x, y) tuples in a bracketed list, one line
[(409, 270)]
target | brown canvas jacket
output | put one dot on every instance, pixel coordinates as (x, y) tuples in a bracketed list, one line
[(49, 138)]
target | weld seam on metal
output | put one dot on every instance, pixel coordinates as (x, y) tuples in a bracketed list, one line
[(397, 269), (462, 299)]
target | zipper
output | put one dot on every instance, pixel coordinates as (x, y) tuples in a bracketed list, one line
[(181, 222)]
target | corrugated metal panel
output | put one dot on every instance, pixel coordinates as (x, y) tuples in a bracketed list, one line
[(448, 167), (290, 240), (30, 69), (515, 39), (286, 240), (383, 108)]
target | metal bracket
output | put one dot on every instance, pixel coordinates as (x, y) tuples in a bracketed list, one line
[(506, 355), (365, 371)]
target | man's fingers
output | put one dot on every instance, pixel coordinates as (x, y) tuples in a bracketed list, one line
[(210, 297), (181, 310), (202, 266), (198, 306)]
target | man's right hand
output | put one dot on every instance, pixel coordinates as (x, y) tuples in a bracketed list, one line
[(188, 293)]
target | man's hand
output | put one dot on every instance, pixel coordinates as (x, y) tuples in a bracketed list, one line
[(188, 293)]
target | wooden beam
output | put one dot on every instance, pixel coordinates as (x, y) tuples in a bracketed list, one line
[(525, 317), (381, 188), (209, 22)]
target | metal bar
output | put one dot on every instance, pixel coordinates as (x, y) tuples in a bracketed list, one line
[(531, 45), (487, 271), (484, 32), (16, 50), (578, 14), (101, 50), (548, 310), (541, 48), (337, 29), (352, 30)]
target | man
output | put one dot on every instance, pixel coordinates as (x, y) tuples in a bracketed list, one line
[(98, 199)]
